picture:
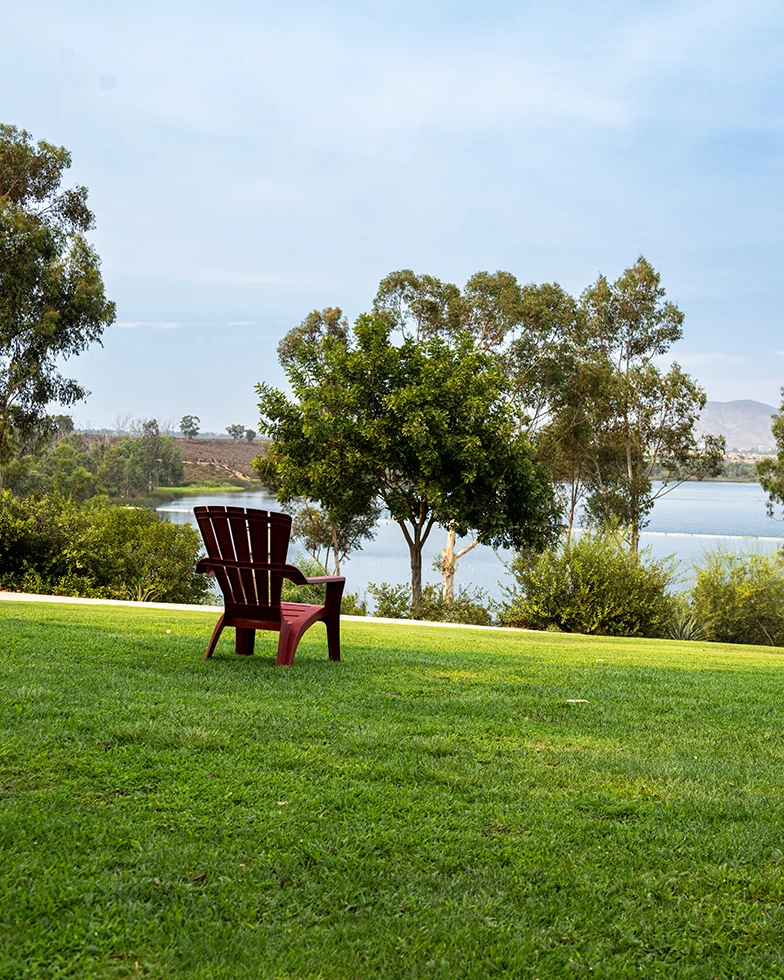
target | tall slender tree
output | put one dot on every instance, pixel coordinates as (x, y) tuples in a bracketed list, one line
[(643, 418), (52, 302)]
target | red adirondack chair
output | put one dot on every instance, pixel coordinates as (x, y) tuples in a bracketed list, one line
[(246, 552)]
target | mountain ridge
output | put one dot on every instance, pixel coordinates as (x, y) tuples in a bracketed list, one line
[(744, 423)]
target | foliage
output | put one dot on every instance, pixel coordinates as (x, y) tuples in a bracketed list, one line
[(79, 467), (594, 584), (529, 331), (739, 597), (304, 593), (250, 435), (50, 545), (189, 426), (421, 426), (641, 417), (52, 302), (684, 624), (771, 471), (469, 606), (236, 431)]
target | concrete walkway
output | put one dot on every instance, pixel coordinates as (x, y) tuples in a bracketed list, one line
[(217, 610)]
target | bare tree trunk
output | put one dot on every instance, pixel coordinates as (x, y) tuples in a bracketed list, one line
[(449, 563), (448, 566), (335, 551), (634, 534), (574, 496)]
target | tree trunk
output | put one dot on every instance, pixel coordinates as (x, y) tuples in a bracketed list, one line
[(574, 496), (415, 551), (416, 537), (335, 551), (449, 563), (634, 533)]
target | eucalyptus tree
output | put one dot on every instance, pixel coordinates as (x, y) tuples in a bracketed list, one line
[(529, 330), (52, 302), (189, 426), (642, 419)]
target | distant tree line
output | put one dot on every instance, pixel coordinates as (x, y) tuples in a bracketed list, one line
[(79, 467)]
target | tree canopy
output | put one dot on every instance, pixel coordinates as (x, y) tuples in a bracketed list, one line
[(413, 420), (52, 302)]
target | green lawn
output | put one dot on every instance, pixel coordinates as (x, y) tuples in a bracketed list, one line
[(432, 806)]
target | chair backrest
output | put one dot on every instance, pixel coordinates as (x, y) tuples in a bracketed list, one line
[(242, 545)]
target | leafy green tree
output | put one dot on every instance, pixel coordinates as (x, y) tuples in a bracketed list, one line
[(134, 467), (250, 435), (418, 424), (529, 330), (189, 426), (52, 302), (643, 419), (771, 471), (236, 432)]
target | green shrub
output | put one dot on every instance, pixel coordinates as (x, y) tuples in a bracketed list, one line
[(739, 597), (596, 585), (394, 602), (52, 546)]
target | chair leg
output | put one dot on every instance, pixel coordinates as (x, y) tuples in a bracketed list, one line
[(245, 640), (282, 660), (214, 638), (332, 622)]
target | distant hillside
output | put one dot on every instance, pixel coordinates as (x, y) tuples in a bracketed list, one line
[(745, 424), (219, 459)]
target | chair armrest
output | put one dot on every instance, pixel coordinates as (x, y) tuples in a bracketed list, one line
[(205, 566), (325, 579)]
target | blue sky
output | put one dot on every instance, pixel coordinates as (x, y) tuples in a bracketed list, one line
[(248, 162)]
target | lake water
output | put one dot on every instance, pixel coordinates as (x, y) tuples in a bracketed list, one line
[(686, 522)]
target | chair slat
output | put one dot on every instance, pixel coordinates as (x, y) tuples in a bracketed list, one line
[(220, 524), (204, 518), (254, 585), (280, 532)]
